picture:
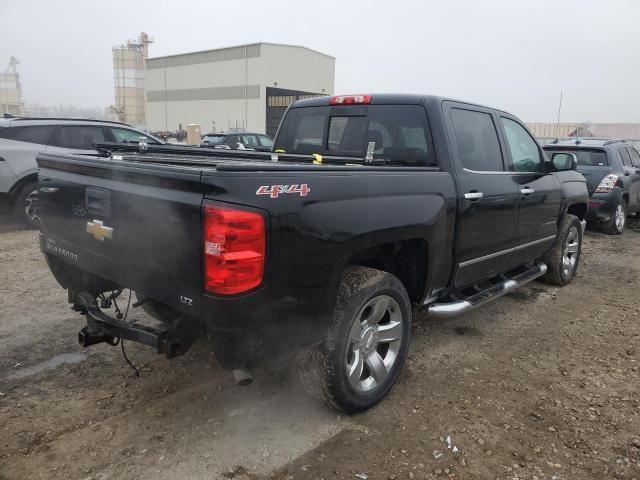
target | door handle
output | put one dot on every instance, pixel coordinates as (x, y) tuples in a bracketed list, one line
[(526, 191), (473, 195)]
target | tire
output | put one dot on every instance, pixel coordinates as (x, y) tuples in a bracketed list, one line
[(563, 259), (25, 207), (615, 225), (369, 336)]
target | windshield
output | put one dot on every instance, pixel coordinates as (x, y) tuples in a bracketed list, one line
[(586, 158), (399, 133), (213, 139)]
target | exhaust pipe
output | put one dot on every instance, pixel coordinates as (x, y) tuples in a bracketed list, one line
[(242, 377)]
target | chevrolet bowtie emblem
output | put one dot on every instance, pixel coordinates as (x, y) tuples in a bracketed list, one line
[(99, 231)]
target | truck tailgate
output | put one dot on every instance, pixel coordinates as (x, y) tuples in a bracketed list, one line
[(136, 225)]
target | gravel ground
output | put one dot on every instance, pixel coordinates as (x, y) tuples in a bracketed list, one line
[(543, 383)]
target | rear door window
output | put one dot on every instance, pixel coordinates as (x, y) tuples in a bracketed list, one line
[(249, 140), (625, 158), (265, 141), (31, 134), (635, 157), (400, 133), (477, 140), (123, 135), (214, 139), (78, 137)]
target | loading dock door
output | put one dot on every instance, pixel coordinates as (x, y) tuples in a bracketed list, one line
[(278, 99)]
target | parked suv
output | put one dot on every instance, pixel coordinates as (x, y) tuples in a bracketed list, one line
[(21, 139), (253, 141), (612, 170)]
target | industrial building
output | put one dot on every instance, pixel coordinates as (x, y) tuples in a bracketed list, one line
[(128, 78), (243, 88), (11, 90)]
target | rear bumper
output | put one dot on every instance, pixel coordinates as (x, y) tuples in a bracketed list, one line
[(602, 206), (259, 323)]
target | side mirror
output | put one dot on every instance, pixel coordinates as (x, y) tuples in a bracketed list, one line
[(563, 162)]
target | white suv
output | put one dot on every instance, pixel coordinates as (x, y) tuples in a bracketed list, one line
[(21, 139)]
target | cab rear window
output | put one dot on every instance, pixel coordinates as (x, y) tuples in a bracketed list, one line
[(399, 133)]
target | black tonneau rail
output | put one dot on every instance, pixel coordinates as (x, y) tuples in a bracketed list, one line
[(201, 155)]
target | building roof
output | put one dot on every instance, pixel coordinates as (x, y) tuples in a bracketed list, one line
[(241, 46)]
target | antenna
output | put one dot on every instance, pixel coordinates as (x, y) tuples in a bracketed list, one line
[(558, 123)]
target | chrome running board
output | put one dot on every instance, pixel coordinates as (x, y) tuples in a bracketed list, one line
[(454, 308)]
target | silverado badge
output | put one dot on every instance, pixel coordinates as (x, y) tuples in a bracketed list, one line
[(99, 231)]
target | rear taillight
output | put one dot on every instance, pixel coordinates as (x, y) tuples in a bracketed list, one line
[(350, 99), (607, 183), (234, 250)]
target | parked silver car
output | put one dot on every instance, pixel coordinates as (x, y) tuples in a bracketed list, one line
[(21, 139)]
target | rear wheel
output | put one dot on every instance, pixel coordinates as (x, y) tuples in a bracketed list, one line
[(562, 261), (366, 346), (615, 225), (26, 207)]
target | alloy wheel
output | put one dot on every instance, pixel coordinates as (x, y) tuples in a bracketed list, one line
[(31, 209), (570, 254), (374, 343), (620, 218)]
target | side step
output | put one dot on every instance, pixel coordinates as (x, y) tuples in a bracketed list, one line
[(508, 285)]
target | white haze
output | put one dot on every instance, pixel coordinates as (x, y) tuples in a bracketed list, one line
[(512, 54)]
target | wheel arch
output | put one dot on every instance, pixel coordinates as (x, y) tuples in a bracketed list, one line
[(625, 197), (579, 210), (17, 187), (407, 259)]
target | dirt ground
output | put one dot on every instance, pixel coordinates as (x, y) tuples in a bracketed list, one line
[(543, 383)]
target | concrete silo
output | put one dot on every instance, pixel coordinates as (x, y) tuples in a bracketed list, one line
[(10, 90), (128, 76)]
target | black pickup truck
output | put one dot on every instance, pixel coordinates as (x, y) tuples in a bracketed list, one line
[(368, 208)]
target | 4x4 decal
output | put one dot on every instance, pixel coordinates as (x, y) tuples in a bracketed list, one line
[(275, 190)]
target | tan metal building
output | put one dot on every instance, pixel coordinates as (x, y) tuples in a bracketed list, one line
[(128, 78), (11, 90), (246, 87), (547, 132)]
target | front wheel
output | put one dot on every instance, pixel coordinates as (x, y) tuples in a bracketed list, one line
[(562, 260), (367, 343)]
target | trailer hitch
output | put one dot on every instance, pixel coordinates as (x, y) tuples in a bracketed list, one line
[(101, 328)]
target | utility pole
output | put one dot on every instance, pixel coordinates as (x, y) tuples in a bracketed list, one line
[(558, 122)]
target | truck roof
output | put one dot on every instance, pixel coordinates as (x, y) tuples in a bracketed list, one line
[(387, 99)]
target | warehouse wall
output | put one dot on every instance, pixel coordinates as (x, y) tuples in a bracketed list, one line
[(298, 68), (199, 88), (203, 86)]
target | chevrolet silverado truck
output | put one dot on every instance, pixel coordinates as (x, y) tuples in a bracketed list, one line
[(369, 208)]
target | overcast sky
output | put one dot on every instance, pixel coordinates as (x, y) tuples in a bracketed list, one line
[(512, 54)]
